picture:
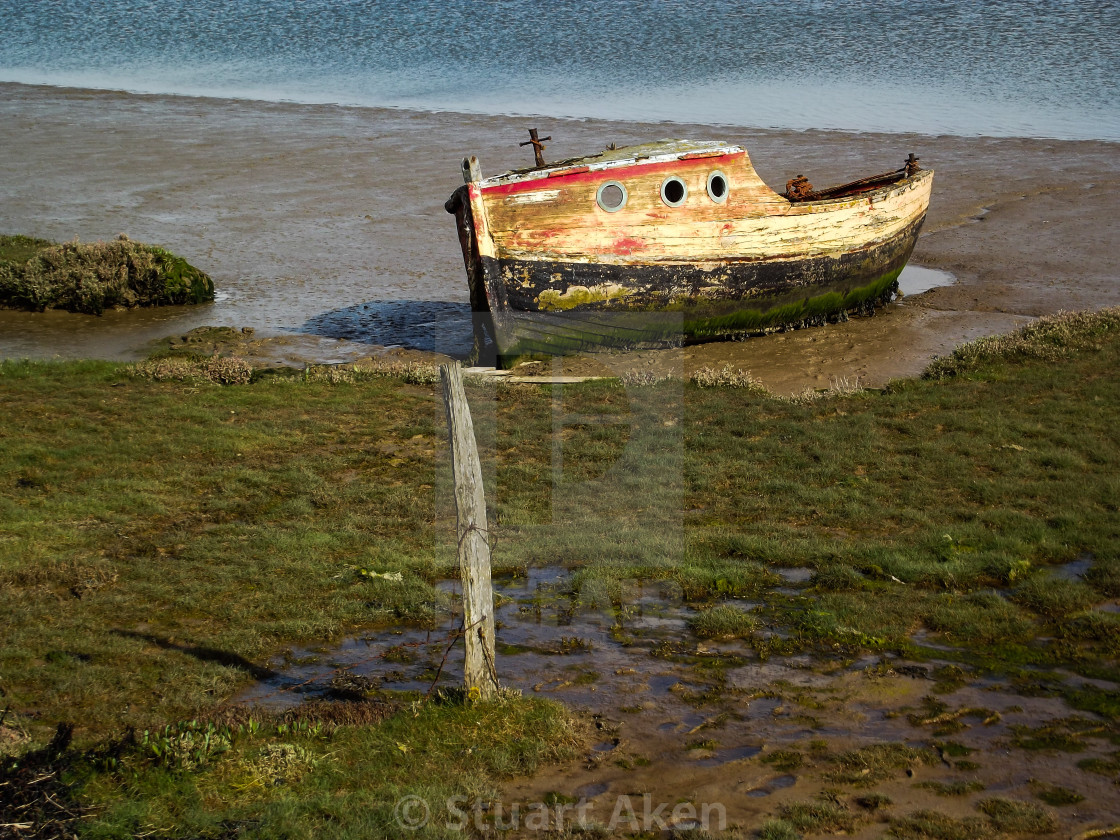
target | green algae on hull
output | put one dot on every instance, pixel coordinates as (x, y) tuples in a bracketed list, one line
[(536, 335)]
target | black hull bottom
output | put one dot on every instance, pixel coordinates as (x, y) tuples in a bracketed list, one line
[(668, 304)]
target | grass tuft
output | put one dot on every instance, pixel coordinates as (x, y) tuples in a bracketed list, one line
[(818, 817), (1049, 339), (930, 825), (778, 830), (723, 622), (1018, 817), (870, 765), (727, 377)]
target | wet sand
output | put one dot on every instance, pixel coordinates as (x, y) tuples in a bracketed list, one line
[(304, 215)]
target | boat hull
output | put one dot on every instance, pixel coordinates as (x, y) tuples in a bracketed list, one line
[(668, 303), (555, 276)]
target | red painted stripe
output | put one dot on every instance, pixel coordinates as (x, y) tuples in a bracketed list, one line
[(575, 177)]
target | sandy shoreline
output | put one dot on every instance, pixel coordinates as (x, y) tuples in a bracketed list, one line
[(301, 212)]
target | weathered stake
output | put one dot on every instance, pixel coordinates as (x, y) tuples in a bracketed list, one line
[(479, 673), (538, 146)]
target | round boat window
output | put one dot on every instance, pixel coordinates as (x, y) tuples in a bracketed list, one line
[(673, 191), (611, 196), (717, 187)]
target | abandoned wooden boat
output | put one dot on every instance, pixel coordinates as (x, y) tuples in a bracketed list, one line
[(674, 240)]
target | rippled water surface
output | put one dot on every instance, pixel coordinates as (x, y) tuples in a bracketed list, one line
[(1043, 68)]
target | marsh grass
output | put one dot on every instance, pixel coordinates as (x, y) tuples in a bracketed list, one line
[(1003, 817), (726, 377), (95, 276), (1049, 339), (162, 539), (785, 760), (275, 778), (1064, 734)]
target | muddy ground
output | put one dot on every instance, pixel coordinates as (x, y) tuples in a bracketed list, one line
[(687, 721), (324, 226)]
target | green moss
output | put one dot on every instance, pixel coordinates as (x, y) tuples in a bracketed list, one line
[(698, 322), (815, 309), (550, 300)]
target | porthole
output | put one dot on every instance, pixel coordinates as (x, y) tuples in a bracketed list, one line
[(673, 191), (717, 187), (611, 196)]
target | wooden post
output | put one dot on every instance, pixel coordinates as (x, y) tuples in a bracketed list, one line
[(480, 675)]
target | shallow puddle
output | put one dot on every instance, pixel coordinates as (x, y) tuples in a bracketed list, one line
[(916, 279), (775, 784), (547, 642), (726, 756), (796, 574), (1074, 570)]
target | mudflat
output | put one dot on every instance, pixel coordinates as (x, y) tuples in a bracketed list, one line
[(310, 217)]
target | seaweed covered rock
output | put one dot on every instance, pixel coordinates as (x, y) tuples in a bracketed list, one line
[(95, 276)]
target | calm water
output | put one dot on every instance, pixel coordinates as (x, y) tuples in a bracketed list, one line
[(1045, 68)]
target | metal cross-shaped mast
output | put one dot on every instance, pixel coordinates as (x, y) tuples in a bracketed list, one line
[(538, 145)]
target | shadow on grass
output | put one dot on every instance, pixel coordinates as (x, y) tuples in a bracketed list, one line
[(203, 654), (36, 800)]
